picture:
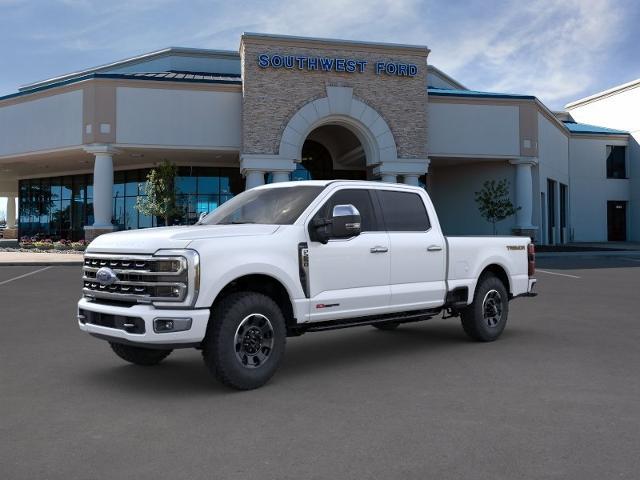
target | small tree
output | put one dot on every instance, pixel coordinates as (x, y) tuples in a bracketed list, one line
[(494, 203), (160, 199)]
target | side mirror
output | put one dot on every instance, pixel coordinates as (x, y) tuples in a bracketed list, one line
[(201, 216), (345, 221)]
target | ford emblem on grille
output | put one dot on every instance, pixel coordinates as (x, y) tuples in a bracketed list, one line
[(106, 277)]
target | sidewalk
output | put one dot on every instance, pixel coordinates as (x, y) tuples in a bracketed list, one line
[(37, 259)]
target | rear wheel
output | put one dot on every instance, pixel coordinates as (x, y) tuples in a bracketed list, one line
[(485, 319), (138, 355), (245, 340)]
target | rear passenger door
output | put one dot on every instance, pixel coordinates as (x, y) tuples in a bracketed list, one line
[(417, 274)]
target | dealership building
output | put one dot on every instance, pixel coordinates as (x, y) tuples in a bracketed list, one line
[(75, 149)]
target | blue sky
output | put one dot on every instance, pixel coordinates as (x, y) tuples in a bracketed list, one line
[(559, 50)]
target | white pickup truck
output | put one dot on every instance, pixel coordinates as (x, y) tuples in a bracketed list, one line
[(288, 258)]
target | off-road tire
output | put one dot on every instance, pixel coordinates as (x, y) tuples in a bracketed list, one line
[(477, 319), (386, 326), (138, 355), (221, 351)]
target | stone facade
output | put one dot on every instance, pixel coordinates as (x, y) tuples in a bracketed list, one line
[(272, 96)]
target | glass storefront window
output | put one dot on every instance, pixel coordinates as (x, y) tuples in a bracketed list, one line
[(60, 207)]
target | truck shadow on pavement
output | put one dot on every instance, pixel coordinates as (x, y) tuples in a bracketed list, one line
[(317, 353)]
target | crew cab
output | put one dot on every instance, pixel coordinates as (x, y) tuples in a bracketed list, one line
[(283, 259)]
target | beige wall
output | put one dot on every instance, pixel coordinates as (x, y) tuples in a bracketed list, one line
[(185, 117), (43, 123)]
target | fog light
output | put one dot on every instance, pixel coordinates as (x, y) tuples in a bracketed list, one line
[(164, 325)]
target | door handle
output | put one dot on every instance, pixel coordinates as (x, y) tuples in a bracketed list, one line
[(434, 248), (379, 249)]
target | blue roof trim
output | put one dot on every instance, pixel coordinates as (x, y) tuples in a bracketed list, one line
[(584, 128), (446, 92), (226, 80)]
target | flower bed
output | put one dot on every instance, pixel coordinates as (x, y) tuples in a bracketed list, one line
[(44, 245)]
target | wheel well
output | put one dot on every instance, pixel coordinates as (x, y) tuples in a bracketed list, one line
[(499, 272), (266, 285)]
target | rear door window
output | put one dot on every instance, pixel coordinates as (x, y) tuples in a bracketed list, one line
[(403, 211)]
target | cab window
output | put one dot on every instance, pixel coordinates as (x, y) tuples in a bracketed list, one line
[(403, 211), (359, 198)]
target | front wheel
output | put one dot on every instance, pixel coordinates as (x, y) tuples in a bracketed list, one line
[(485, 319), (245, 340)]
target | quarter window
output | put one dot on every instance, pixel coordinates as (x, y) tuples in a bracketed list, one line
[(403, 211)]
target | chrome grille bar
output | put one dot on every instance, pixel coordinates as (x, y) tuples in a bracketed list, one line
[(139, 278)]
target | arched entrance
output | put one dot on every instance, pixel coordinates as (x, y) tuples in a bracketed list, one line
[(331, 152)]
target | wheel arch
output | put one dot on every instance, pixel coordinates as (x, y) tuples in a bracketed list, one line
[(265, 284), (500, 272)]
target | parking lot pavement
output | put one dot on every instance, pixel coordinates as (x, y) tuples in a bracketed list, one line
[(555, 397)]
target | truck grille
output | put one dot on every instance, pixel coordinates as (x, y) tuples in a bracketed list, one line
[(136, 279)]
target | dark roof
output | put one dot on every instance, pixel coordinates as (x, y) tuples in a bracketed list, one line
[(585, 128), (450, 92), (172, 76)]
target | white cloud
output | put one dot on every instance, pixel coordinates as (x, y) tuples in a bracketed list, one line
[(547, 48), (554, 49)]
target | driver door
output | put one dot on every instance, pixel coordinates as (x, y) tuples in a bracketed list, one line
[(350, 277)]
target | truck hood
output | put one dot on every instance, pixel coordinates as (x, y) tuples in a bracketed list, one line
[(151, 239)]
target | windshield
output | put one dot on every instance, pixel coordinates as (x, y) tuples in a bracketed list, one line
[(271, 206)]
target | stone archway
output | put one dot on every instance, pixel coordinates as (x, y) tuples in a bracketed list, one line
[(339, 107)]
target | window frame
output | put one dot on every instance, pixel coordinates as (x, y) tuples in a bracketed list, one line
[(608, 151)]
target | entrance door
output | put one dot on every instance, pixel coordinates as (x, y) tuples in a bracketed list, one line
[(617, 221), (551, 211)]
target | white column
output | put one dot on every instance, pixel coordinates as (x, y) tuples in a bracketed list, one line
[(11, 212), (253, 166), (524, 192), (412, 180), (253, 178), (102, 185), (280, 176), (389, 178)]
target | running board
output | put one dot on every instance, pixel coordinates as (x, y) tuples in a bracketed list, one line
[(406, 317)]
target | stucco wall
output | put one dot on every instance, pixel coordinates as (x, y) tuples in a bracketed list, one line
[(148, 116), (620, 111), (590, 189), (271, 96), (466, 129), (553, 163), (41, 124), (452, 189)]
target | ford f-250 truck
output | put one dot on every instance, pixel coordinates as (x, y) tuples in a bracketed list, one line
[(288, 258)]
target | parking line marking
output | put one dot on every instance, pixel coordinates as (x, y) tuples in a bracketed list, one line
[(556, 273), (25, 275)]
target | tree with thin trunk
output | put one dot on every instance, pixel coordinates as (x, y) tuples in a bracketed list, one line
[(160, 194), (494, 203)]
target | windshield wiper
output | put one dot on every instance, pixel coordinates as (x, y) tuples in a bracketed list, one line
[(235, 222)]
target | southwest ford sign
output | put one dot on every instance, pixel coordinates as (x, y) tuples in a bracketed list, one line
[(341, 65)]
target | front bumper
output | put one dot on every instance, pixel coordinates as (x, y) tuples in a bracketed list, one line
[(142, 316)]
